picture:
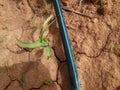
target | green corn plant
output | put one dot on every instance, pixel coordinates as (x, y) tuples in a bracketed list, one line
[(41, 41), (48, 82), (114, 47), (7, 66)]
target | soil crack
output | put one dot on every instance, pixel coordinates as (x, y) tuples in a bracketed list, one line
[(101, 51)]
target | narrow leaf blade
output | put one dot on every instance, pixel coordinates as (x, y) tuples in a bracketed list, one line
[(48, 49), (29, 45), (45, 26)]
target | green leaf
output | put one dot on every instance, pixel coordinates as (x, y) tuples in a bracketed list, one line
[(42, 33), (29, 45), (45, 42), (47, 21), (45, 25), (113, 46), (41, 41), (48, 82), (48, 49)]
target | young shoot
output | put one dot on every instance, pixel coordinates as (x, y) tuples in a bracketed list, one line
[(41, 41)]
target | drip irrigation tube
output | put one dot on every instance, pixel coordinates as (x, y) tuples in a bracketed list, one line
[(67, 47)]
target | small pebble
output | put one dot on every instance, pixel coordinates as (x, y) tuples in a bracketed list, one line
[(95, 20)]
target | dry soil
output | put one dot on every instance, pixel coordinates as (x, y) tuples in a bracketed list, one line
[(94, 31)]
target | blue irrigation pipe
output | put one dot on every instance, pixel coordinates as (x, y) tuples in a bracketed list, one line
[(67, 47)]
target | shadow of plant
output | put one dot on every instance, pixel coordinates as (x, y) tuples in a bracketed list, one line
[(26, 76)]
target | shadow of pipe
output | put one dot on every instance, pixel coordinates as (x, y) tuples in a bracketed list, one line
[(57, 42), (63, 74)]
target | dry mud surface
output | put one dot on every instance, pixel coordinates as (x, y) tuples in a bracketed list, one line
[(94, 31)]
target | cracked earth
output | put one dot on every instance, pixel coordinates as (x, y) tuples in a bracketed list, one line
[(94, 32)]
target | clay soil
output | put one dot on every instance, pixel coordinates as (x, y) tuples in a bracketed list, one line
[(94, 31)]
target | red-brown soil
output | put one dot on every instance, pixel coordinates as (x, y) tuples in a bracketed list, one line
[(94, 31)]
